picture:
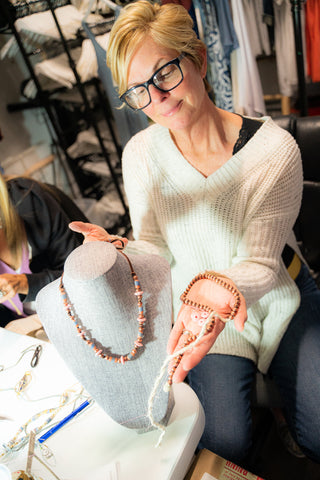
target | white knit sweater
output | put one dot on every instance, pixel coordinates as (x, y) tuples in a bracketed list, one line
[(235, 222)]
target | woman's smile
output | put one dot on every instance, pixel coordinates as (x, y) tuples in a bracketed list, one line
[(173, 110)]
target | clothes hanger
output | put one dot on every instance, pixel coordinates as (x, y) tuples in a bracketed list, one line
[(115, 8), (111, 5)]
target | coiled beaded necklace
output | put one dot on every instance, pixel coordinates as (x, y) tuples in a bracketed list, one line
[(207, 314), (138, 343)]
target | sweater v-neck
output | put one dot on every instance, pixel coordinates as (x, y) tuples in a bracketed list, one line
[(178, 171)]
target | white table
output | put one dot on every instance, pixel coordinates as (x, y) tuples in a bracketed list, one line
[(92, 446)]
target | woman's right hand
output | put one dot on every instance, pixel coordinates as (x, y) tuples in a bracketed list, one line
[(95, 233), (222, 298)]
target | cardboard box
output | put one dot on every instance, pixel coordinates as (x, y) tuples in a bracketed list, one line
[(209, 466)]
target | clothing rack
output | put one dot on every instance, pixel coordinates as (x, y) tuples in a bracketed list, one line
[(88, 109), (21, 9), (44, 100)]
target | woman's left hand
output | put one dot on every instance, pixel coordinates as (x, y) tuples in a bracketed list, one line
[(190, 321), (95, 233)]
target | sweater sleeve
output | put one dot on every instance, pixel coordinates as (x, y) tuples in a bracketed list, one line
[(138, 183), (268, 223)]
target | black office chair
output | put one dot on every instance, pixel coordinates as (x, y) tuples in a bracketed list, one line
[(306, 131)]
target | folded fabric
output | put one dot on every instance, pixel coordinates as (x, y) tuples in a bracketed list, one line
[(23, 8), (42, 23), (58, 69), (87, 65), (38, 28)]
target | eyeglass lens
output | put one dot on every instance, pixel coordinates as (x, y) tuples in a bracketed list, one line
[(165, 79)]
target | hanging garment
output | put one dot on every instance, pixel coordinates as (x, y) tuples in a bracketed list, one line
[(285, 47), (246, 83), (257, 29), (218, 73), (42, 24), (87, 65), (268, 19), (228, 35), (57, 69), (128, 122), (312, 19)]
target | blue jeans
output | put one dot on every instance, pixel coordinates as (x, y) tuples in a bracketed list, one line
[(223, 384)]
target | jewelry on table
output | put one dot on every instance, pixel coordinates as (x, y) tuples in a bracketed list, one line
[(18, 441), (36, 356), (36, 349), (84, 334), (26, 475), (21, 437), (23, 383), (46, 453)]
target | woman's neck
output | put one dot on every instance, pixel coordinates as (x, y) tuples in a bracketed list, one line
[(208, 144)]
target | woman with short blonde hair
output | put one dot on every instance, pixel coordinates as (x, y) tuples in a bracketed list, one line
[(212, 190), (168, 25)]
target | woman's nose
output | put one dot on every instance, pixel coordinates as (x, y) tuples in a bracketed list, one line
[(157, 96)]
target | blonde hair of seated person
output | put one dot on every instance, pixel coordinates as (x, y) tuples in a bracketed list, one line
[(12, 229)]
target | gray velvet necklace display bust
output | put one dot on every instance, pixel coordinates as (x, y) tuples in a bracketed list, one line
[(99, 285)]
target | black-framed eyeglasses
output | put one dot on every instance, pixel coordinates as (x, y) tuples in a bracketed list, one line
[(166, 78)]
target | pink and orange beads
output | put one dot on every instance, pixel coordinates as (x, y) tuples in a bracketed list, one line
[(138, 343)]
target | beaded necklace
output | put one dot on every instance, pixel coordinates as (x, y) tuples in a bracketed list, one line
[(33, 426), (22, 435), (36, 349), (211, 276), (203, 314), (85, 336)]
